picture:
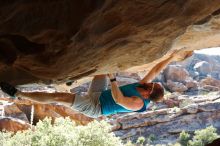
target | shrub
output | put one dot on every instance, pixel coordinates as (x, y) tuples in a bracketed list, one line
[(200, 138), (62, 132), (184, 138), (204, 136), (129, 143), (140, 140), (151, 138)]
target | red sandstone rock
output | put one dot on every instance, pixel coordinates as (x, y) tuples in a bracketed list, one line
[(13, 111), (12, 124), (45, 110)]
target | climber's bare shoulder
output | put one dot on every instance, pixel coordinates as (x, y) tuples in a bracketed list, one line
[(132, 103)]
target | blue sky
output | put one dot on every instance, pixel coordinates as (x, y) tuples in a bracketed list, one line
[(209, 51)]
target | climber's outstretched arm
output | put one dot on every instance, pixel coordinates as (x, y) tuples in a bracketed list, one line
[(45, 98), (175, 56), (156, 70)]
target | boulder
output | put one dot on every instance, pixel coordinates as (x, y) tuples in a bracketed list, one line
[(12, 110), (194, 74), (176, 73), (176, 86), (210, 88), (203, 67), (191, 85), (12, 124), (210, 81)]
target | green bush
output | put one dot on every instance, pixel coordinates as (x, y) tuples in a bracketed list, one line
[(129, 143), (184, 138), (200, 138), (62, 133), (140, 140), (204, 136), (151, 138)]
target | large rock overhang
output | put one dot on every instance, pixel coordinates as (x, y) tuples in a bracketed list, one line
[(56, 41)]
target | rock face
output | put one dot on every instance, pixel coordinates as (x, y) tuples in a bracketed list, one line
[(211, 81), (176, 73), (202, 65), (198, 73), (178, 79), (203, 68), (176, 86), (166, 124), (56, 41), (19, 114), (12, 124)]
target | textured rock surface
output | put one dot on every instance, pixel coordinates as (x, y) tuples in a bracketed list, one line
[(176, 73), (176, 86), (21, 109), (191, 76), (166, 124), (203, 68), (211, 81), (194, 66), (69, 39), (14, 112), (12, 124)]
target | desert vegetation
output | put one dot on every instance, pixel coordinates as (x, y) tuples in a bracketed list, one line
[(62, 133), (97, 133)]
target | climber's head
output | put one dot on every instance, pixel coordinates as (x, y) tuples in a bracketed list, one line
[(151, 91)]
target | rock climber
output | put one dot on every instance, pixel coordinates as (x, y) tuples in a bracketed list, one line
[(100, 101)]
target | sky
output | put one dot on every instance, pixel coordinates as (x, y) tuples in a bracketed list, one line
[(209, 51)]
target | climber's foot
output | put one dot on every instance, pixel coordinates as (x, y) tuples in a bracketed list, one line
[(9, 89)]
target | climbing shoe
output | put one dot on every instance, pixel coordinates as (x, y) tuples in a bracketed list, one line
[(9, 89)]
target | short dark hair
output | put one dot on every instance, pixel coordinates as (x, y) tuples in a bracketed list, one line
[(157, 91)]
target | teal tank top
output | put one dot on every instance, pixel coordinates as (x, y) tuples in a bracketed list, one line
[(108, 105)]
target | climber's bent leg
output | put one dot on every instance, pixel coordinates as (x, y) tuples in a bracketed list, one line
[(42, 97), (89, 104), (64, 98), (98, 84)]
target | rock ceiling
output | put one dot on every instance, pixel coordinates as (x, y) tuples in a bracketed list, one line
[(60, 40)]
